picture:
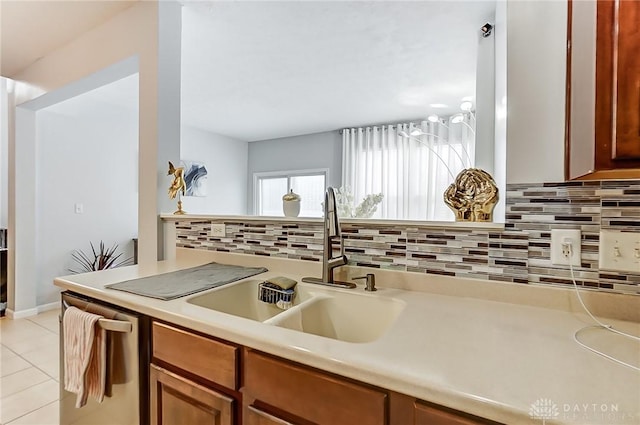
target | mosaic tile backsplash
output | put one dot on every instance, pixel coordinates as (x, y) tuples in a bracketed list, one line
[(519, 254)]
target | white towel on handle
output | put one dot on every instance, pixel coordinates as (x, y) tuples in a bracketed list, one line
[(85, 354)]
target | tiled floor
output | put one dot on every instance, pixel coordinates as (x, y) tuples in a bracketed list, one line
[(29, 389)]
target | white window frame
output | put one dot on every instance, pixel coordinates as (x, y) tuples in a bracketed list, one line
[(284, 174)]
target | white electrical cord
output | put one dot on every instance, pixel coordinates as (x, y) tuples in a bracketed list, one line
[(569, 254)]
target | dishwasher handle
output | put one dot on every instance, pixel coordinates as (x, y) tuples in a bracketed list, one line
[(107, 324)]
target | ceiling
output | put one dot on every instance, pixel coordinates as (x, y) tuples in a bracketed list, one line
[(261, 70), (256, 70), (117, 98), (31, 29)]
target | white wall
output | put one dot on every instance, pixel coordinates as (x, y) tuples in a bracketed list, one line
[(583, 88), (4, 153), (536, 75), (310, 151), (133, 34), (500, 112), (226, 162), (485, 102), (88, 158)]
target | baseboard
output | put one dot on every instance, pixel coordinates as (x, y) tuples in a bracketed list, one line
[(47, 307), (21, 314)]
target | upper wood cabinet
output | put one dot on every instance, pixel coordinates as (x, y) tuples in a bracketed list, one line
[(615, 150), (618, 85)]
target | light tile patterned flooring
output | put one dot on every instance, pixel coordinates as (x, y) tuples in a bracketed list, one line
[(29, 389)]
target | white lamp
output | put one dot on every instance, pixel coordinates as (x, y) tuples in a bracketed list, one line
[(457, 119)]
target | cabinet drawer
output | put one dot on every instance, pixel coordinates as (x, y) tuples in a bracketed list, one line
[(253, 416), (425, 414), (312, 395), (204, 357)]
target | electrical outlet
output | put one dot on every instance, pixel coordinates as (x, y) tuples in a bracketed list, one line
[(219, 230), (559, 251)]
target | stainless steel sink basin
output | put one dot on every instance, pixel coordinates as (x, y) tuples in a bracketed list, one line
[(241, 299)]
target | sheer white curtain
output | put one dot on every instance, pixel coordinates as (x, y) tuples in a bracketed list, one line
[(411, 172)]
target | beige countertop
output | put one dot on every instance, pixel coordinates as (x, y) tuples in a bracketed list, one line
[(477, 347)]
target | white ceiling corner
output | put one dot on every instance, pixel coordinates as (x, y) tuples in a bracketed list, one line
[(31, 29)]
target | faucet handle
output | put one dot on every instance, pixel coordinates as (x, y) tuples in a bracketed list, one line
[(370, 284)]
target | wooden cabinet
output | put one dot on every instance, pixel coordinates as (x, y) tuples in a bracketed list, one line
[(196, 379), (610, 111), (425, 414), (207, 358), (308, 395), (407, 410), (255, 416), (177, 400), (617, 85)]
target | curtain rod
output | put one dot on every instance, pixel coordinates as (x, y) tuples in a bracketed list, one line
[(383, 126)]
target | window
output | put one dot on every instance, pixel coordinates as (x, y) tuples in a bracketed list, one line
[(270, 187), (410, 166)]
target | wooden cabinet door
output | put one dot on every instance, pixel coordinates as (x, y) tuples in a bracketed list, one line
[(406, 410), (254, 416), (177, 400), (617, 85), (627, 141)]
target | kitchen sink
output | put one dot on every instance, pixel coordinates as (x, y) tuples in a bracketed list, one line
[(342, 316), (330, 313), (241, 299)]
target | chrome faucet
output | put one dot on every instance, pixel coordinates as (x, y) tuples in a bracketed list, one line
[(331, 233)]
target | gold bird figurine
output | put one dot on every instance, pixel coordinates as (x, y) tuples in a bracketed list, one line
[(178, 184)]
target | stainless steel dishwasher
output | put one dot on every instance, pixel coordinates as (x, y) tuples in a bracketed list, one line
[(126, 400)]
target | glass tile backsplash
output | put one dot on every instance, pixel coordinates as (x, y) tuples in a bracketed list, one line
[(519, 254)]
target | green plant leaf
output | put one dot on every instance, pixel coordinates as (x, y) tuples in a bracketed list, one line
[(100, 259)]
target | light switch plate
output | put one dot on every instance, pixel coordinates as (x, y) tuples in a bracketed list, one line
[(558, 237), (620, 251), (218, 229)]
